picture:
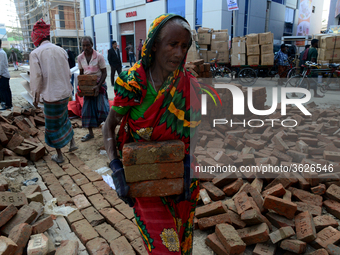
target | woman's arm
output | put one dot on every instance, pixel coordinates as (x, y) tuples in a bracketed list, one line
[(112, 120)]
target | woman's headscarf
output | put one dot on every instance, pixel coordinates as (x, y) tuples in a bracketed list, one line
[(40, 31)]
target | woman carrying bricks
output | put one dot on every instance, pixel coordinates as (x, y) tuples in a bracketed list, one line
[(156, 101), (95, 108)]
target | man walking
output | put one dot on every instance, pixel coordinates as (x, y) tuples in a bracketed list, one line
[(14, 59), (281, 59), (51, 80), (129, 49), (114, 61), (5, 91)]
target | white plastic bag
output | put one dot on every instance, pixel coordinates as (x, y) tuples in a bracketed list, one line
[(52, 208)]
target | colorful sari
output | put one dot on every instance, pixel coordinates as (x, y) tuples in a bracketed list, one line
[(166, 226)]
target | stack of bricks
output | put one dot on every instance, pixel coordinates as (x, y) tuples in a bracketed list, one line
[(199, 69), (86, 83), (226, 110), (296, 212), (18, 136), (154, 169)]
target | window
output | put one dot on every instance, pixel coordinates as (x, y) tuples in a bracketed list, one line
[(110, 28), (199, 11), (93, 34), (113, 5), (278, 1), (289, 22), (87, 8), (100, 6), (246, 10), (176, 7), (61, 16)]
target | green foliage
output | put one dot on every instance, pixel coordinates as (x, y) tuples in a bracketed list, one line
[(8, 52)]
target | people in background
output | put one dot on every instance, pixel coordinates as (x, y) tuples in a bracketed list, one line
[(51, 80), (140, 47), (14, 59), (95, 108), (5, 90), (71, 64), (114, 61), (129, 49), (281, 59), (303, 57), (313, 56)]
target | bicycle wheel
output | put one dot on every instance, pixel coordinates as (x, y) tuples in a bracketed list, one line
[(247, 76), (291, 73), (223, 74), (297, 81), (332, 83)]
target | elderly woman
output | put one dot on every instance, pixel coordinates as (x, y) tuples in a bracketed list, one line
[(95, 108), (156, 101)]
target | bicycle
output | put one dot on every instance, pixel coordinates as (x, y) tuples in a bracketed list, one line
[(291, 70), (304, 80), (219, 72)]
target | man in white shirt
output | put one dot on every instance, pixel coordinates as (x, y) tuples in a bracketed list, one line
[(50, 79), (5, 90)]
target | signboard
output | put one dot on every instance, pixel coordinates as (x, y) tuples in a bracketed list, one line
[(131, 14), (305, 11), (232, 5), (335, 29)]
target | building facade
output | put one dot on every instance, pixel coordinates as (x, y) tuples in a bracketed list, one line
[(127, 21), (63, 16), (334, 15)]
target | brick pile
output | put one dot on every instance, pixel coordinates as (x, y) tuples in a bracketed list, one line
[(199, 69), (18, 136), (275, 213), (154, 169)]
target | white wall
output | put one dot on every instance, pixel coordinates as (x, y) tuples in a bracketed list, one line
[(141, 14), (153, 10), (88, 26), (316, 18), (123, 4), (212, 14), (190, 12), (101, 23)]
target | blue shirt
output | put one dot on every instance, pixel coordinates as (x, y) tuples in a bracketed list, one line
[(4, 64), (282, 58)]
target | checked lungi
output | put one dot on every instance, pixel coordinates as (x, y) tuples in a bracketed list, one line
[(58, 127)]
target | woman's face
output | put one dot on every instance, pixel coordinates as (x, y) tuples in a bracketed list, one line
[(87, 46), (170, 51)]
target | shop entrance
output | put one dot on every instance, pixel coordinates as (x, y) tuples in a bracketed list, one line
[(126, 39)]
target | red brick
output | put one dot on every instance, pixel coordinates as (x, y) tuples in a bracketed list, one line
[(80, 179), (20, 234), (328, 155), (319, 252), (279, 221), (7, 214), (242, 202), (15, 141), (70, 170), (236, 220), (81, 202), (99, 202), (222, 158), (295, 246), (210, 210), (139, 247), (10, 162), (128, 229), (121, 246), (205, 197), (98, 246), (153, 152), (232, 188), (112, 216), (333, 249), (257, 145), (74, 216), (8, 247), (306, 197), (42, 225), (126, 210), (84, 231), (224, 179), (112, 197), (254, 217), (280, 206), (89, 189), (319, 190), (3, 137), (107, 232), (102, 186), (156, 188), (305, 228), (264, 249), (325, 237), (93, 176), (69, 247), (332, 207), (276, 191), (313, 209), (256, 195), (333, 192), (281, 234), (230, 239), (281, 156), (214, 243), (324, 221), (209, 222), (93, 216), (25, 215), (214, 192), (49, 179), (254, 234), (28, 190), (284, 179)]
